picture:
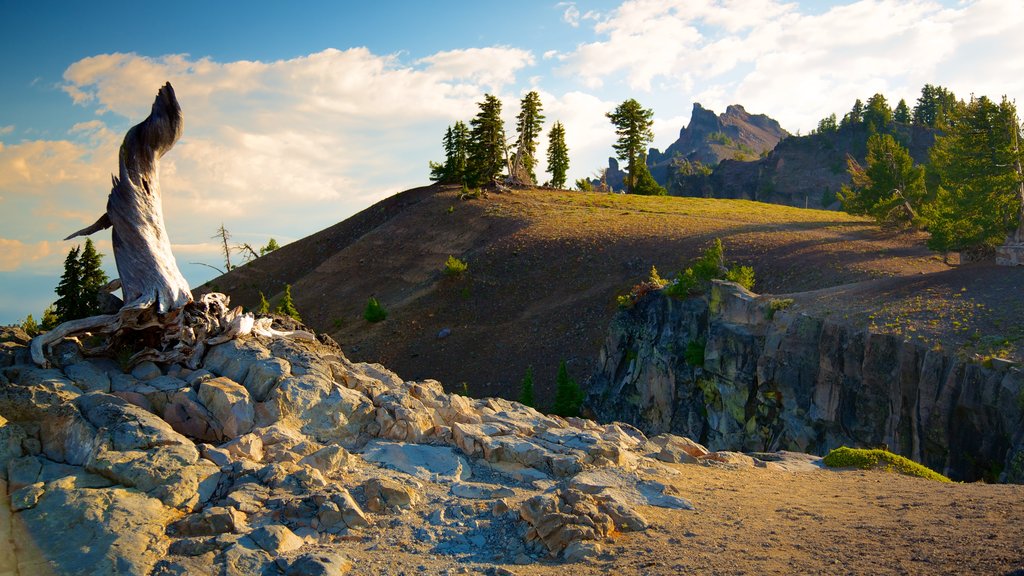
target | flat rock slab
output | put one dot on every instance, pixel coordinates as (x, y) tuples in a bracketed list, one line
[(430, 463), (476, 491), (789, 461), (629, 488)]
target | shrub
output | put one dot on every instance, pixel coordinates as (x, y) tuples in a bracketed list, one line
[(776, 304), (285, 307), (374, 312), (454, 267), (264, 307), (844, 457), (30, 326), (742, 275)]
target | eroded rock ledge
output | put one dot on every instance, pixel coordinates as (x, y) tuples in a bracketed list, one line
[(767, 380), (278, 456)]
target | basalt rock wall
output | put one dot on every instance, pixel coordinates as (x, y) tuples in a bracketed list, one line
[(729, 371)]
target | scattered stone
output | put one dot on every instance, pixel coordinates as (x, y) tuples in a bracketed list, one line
[(327, 460), (210, 522), (383, 494), (218, 456), (444, 333), (248, 446), (351, 512)]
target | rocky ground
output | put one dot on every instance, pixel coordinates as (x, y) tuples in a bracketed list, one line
[(283, 457)]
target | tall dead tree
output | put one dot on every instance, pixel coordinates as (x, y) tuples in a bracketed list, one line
[(157, 298)]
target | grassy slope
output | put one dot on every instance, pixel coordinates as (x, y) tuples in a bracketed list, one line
[(544, 270)]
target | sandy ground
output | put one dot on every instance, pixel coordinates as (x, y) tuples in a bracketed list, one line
[(746, 521)]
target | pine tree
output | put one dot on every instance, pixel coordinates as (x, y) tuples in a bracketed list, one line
[(455, 142), (633, 127), (286, 307), (558, 155), (933, 105), (568, 395), (270, 247), (264, 308), (486, 150), (30, 327), (855, 115), (374, 311), (902, 112), (526, 388), (890, 188), (50, 319), (93, 279), (827, 124), (976, 162), (645, 184), (69, 290), (528, 128), (877, 114)]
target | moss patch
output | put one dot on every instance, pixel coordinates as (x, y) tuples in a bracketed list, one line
[(844, 457)]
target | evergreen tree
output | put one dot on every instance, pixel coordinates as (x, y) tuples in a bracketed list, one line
[(644, 183), (270, 247), (568, 395), (827, 124), (526, 388), (558, 155), (374, 312), (528, 128), (935, 103), (93, 279), (50, 319), (30, 326), (286, 307), (633, 127), (69, 290), (264, 308), (902, 112), (890, 188), (855, 115), (455, 142), (877, 114), (486, 150), (976, 163)]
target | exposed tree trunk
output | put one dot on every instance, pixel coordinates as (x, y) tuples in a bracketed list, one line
[(142, 250), (157, 298)]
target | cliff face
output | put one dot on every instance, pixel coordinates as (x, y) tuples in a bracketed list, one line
[(784, 380)]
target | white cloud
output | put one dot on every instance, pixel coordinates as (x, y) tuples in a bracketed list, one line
[(4, 130), (571, 16), (799, 66), (15, 254)]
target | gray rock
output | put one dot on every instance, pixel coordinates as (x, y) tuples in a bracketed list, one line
[(88, 377), (475, 491), (23, 471), (146, 371), (431, 463), (276, 539), (26, 497), (320, 564), (210, 522), (383, 494), (230, 405)]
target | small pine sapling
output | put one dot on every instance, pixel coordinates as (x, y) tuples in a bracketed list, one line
[(286, 307), (526, 389), (374, 312)]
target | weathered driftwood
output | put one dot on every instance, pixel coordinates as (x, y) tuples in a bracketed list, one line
[(159, 320)]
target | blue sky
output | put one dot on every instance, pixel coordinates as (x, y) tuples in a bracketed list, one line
[(297, 118)]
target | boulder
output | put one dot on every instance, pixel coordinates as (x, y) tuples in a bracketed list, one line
[(383, 494), (276, 539), (432, 463), (327, 460), (210, 522), (320, 564), (88, 377), (230, 405)]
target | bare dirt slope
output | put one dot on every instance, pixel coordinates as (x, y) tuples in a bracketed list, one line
[(544, 270)]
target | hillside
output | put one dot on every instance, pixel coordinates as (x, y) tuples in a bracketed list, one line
[(544, 270)]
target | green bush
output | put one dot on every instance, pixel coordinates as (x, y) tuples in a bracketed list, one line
[(568, 395), (874, 459), (776, 304), (454, 267), (526, 388), (286, 307), (742, 275), (374, 312)]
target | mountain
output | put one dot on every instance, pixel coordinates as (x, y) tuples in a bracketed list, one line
[(805, 171), (709, 139), (544, 270)]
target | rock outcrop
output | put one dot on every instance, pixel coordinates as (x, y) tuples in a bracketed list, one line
[(729, 371), (274, 454)]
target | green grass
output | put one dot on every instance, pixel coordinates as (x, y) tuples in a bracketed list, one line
[(865, 459)]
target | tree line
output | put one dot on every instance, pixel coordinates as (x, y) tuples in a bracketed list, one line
[(477, 154), (968, 196)]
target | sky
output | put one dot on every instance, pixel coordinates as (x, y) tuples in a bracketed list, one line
[(298, 115)]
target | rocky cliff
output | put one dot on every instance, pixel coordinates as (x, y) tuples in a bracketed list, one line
[(805, 171), (735, 374)]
